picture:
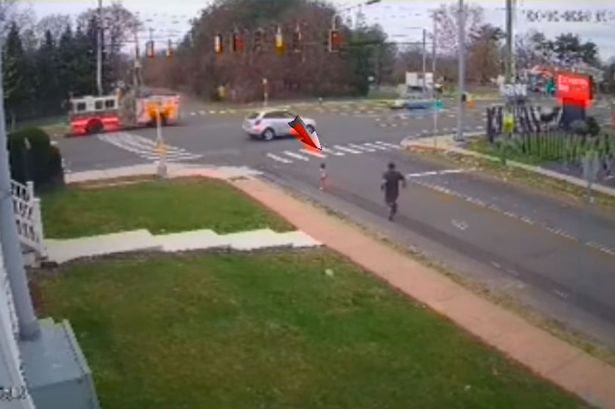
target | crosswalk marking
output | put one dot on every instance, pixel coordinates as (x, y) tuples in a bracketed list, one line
[(296, 156), (332, 152), (374, 146), (288, 156), (390, 145), (279, 159), (146, 148), (361, 148), (347, 150), (313, 153)]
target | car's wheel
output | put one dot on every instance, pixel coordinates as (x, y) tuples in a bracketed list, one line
[(94, 126), (268, 135), (310, 128)]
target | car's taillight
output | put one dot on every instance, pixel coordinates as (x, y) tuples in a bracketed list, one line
[(258, 122)]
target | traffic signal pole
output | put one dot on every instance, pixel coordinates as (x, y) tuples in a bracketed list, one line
[(462, 68), (99, 47)]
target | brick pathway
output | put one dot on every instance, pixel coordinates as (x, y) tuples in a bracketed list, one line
[(544, 354)]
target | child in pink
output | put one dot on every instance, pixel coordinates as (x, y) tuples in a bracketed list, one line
[(323, 176)]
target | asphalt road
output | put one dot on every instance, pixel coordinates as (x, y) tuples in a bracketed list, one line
[(552, 255)]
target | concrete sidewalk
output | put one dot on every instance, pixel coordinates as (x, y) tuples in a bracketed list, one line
[(446, 143), (62, 251), (555, 360)]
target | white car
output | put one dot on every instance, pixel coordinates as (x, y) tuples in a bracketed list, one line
[(269, 124)]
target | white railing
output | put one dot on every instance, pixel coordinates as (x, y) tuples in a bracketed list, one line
[(27, 210)]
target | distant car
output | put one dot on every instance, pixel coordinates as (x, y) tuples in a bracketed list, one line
[(269, 124), (398, 104), (413, 102)]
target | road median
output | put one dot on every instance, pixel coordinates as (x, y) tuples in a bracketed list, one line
[(446, 148)]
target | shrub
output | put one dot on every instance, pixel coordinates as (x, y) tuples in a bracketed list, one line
[(32, 157), (593, 128)]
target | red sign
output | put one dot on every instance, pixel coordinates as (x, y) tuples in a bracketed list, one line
[(574, 88)]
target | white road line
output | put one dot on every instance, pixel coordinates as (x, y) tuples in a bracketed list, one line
[(296, 156), (279, 159), (390, 145), (374, 146), (314, 153), (212, 112), (359, 147), (437, 173), (331, 152), (192, 113), (347, 150), (527, 220), (202, 112)]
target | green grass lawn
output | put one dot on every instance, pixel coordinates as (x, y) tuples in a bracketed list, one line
[(274, 331), (158, 206)]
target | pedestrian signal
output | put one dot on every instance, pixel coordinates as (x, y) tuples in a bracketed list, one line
[(335, 41), (218, 44), (279, 41)]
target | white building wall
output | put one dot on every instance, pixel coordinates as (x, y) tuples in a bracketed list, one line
[(11, 370)]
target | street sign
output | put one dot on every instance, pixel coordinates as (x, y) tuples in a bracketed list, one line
[(574, 88), (513, 90)]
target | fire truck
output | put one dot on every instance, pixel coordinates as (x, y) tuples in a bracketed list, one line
[(122, 110)]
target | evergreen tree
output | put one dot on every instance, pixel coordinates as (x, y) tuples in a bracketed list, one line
[(18, 86), (66, 63), (48, 92)]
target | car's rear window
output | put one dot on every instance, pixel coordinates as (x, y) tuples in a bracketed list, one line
[(253, 115)]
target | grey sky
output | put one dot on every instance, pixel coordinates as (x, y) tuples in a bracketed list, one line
[(172, 19)]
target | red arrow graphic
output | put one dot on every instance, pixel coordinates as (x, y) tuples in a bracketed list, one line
[(309, 140)]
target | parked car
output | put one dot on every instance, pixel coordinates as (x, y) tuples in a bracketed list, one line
[(269, 124)]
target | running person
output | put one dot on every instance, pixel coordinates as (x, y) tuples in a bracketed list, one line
[(390, 185)]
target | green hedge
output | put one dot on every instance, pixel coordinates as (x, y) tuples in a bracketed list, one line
[(32, 157)]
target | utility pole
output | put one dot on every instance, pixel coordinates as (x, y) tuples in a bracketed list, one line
[(433, 74), (424, 61), (99, 47), (11, 248), (509, 43), (461, 22), (137, 68)]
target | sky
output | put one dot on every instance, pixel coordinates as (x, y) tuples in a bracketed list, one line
[(399, 18)]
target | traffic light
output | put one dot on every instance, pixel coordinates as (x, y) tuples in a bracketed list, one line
[(219, 43), (170, 49), (335, 41), (238, 44), (297, 37), (279, 41), (149, 49), (258, 40)]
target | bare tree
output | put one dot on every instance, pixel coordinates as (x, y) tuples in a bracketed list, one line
[(13, 11), (484, 50), (446, 16), (54, 23)]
